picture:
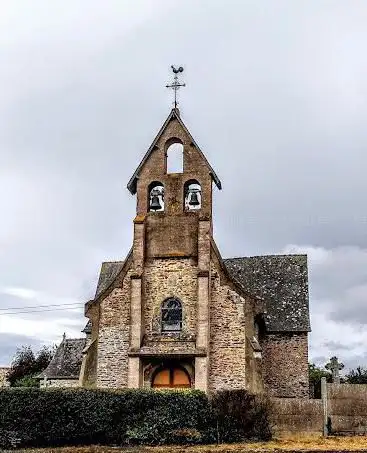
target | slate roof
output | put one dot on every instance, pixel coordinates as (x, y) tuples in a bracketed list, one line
[(173, 114), (109, 270), (282, 281), (67, 360), (88, 327)]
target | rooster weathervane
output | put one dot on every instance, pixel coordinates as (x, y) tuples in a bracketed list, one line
[(176, 84)]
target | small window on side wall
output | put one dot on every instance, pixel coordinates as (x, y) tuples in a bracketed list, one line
[(171, 315), (192, 194), (155, 197), (175, 158)]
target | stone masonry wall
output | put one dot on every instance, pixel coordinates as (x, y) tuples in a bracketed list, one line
[(347, 407), (3, 381), (169, 277), (227, 360), (60, 383), (296, 415), (285, 365), (195, 167), (113, 337), (168, 235)]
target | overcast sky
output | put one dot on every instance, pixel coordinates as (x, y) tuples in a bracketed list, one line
[(276, 97)]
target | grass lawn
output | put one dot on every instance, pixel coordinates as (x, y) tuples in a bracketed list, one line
[(289, 444)]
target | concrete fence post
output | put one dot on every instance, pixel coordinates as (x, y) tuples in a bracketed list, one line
[(324, 405)]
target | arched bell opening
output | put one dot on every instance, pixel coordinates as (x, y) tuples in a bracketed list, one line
[(171, 376), (174, 155), (155, 197), (192, 195)]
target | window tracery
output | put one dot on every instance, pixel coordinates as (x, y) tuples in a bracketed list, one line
[(171, 315)]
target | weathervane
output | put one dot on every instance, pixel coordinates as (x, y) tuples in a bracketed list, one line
[(175, 85)]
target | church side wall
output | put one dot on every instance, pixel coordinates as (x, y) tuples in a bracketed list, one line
[(285, 365), (227, 359), (170, 277), (113, 338)]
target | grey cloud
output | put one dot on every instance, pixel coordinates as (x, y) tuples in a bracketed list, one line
[(320, 361), (10, 342), (349, 362), (277, 109), (339, 346)]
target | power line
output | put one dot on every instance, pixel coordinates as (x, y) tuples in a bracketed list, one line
[(38, 306), (38, 311)]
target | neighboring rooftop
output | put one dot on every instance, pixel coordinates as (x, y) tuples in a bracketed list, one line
[(282, 281), (67, 360)]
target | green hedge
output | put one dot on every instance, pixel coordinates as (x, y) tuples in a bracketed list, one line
[(53, 417), (240, 416)]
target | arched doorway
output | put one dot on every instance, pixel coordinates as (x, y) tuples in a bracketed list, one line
[(171, 377)]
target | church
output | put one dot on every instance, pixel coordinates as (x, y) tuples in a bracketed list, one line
[(175, 313)]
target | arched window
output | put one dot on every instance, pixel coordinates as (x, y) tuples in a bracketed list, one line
[(175, 157), (155, 196), (192, 194), (171, 315), (171, 377)]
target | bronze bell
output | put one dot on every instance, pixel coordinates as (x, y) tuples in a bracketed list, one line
[(155, 204), (194, 199)]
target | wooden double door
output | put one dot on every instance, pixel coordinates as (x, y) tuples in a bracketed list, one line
[(173, 377)]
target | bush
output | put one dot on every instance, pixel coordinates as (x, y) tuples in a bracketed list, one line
[(55, 417), (240, 415)]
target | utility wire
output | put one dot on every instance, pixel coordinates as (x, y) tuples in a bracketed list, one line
[(38, 311), (37, 306)]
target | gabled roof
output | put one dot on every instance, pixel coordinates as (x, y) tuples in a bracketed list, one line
[(282, 280), (67, 360), (175, 114), (88, 328), (109, 271)]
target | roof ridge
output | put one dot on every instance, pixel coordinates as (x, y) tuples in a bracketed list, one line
[(115, 261), (265, 256)]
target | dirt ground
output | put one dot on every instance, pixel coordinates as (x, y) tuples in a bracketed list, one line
[(287, 444)]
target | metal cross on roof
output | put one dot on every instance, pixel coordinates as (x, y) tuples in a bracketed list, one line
[(175, 85), (334, 366)]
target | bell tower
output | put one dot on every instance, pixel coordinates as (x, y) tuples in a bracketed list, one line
[(171, 255), (172, 204)]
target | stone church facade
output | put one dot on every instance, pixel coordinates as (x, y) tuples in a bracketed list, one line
[(176, 314)]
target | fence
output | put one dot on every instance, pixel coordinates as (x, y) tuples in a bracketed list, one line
[(341, 409), (347, 408)]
